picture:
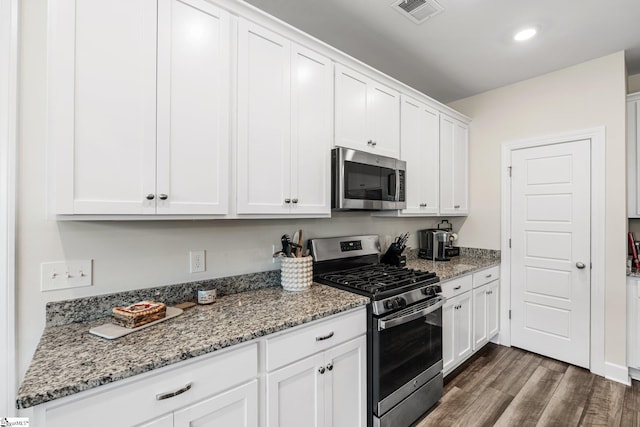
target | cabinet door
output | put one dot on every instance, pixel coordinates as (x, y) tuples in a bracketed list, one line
[(463, 340), (166, 421), (633, 349), (311, 131), (346, 384), (493, 309), (453, 166), (352, 92), (448, 334), (633, 155), (193, 107), (295, 394), (480, 296), (235, 408), (383, 116), (102, 105), (264, 101), (419, 148)]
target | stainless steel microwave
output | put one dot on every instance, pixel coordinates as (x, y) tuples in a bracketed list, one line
[(361, 180)]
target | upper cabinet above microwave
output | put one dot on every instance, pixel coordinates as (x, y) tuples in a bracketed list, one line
[(367, 114)]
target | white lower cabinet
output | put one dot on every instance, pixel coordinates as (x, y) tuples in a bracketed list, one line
[(311, 375), (470, 315), (237, 407), (485, 313), (633, 319), (327, 388), (456, 335)]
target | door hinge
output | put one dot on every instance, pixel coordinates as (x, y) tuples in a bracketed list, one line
[(509, 314), (509, 171), (509, 242)]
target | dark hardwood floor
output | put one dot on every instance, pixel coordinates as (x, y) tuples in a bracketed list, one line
[(511, 387)]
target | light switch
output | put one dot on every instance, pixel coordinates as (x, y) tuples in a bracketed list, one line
[(65, 274)]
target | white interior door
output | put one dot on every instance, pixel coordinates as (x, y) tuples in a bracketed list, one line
[(550, 255)]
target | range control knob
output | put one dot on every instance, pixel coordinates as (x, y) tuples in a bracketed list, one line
[(437, 289), (395, 303), (429, 291)]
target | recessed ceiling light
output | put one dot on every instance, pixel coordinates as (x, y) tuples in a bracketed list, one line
[(525, 34)]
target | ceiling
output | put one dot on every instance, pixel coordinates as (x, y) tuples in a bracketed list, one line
[(468, 48)]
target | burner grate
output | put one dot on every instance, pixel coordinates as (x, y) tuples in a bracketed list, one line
[(378, 278)]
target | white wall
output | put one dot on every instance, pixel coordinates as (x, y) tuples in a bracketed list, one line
[(133, 255), (583, 96)]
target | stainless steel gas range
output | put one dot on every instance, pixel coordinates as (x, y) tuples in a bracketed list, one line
[(404, 332)]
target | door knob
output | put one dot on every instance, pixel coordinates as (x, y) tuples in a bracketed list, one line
[(580, 265)]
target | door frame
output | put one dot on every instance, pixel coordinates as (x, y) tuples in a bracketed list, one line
[(9, 21), (597, 138)]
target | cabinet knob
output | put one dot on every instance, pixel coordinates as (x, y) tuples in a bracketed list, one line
[(457, 287), (369, 142), (374, 143), (330, 367), (151, 196), (580, 265), (287, 200), (163, 197), (456, 207), (294, 201), (321, 369)]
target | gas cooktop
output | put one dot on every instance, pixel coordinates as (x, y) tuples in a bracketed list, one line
[(378, 280)]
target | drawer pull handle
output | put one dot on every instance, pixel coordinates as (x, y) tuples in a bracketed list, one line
[(325, 337), (457, 287), (488, 276), (171, 394)]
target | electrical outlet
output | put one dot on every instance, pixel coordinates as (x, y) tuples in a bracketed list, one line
[(196, 262), (65, 274)]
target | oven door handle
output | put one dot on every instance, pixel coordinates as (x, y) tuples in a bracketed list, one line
[(396, 321)]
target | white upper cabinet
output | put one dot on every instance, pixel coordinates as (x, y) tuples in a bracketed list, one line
[(454, 166), (419, 147), (112, 154), (633, 154), (367, 114), (193, 107), (284, 125), (102, 105)]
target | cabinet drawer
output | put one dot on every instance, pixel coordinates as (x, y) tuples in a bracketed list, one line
[(485, 276), (455, 287), (318, 336), (137, 401)]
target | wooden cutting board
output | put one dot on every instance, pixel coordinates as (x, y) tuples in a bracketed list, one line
[(111, 331)]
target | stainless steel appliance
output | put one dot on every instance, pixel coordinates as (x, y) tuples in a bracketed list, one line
[(404, 332), (361, 180)]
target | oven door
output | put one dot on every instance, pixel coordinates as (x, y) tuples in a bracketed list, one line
[(407, 352)]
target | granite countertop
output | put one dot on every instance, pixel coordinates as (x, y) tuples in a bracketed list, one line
[(457, 266), (69, 360)]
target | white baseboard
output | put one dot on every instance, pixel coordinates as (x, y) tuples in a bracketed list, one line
[(617, 373)]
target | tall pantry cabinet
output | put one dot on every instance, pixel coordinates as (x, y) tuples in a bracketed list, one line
[(135, 108)]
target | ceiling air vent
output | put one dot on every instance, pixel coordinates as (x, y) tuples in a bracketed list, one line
[(417, 10)]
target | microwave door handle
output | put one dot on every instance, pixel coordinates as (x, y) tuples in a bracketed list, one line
[(397, 321), (397, 194)]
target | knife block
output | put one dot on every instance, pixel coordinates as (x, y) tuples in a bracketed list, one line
[(296, 274)]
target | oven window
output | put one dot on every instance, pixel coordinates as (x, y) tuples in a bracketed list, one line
[(368, 182), (407, 350)]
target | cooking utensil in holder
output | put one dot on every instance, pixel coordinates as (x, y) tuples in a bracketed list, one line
[(296, 274)]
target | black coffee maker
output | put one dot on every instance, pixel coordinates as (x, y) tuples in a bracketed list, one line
[(435, 243)]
